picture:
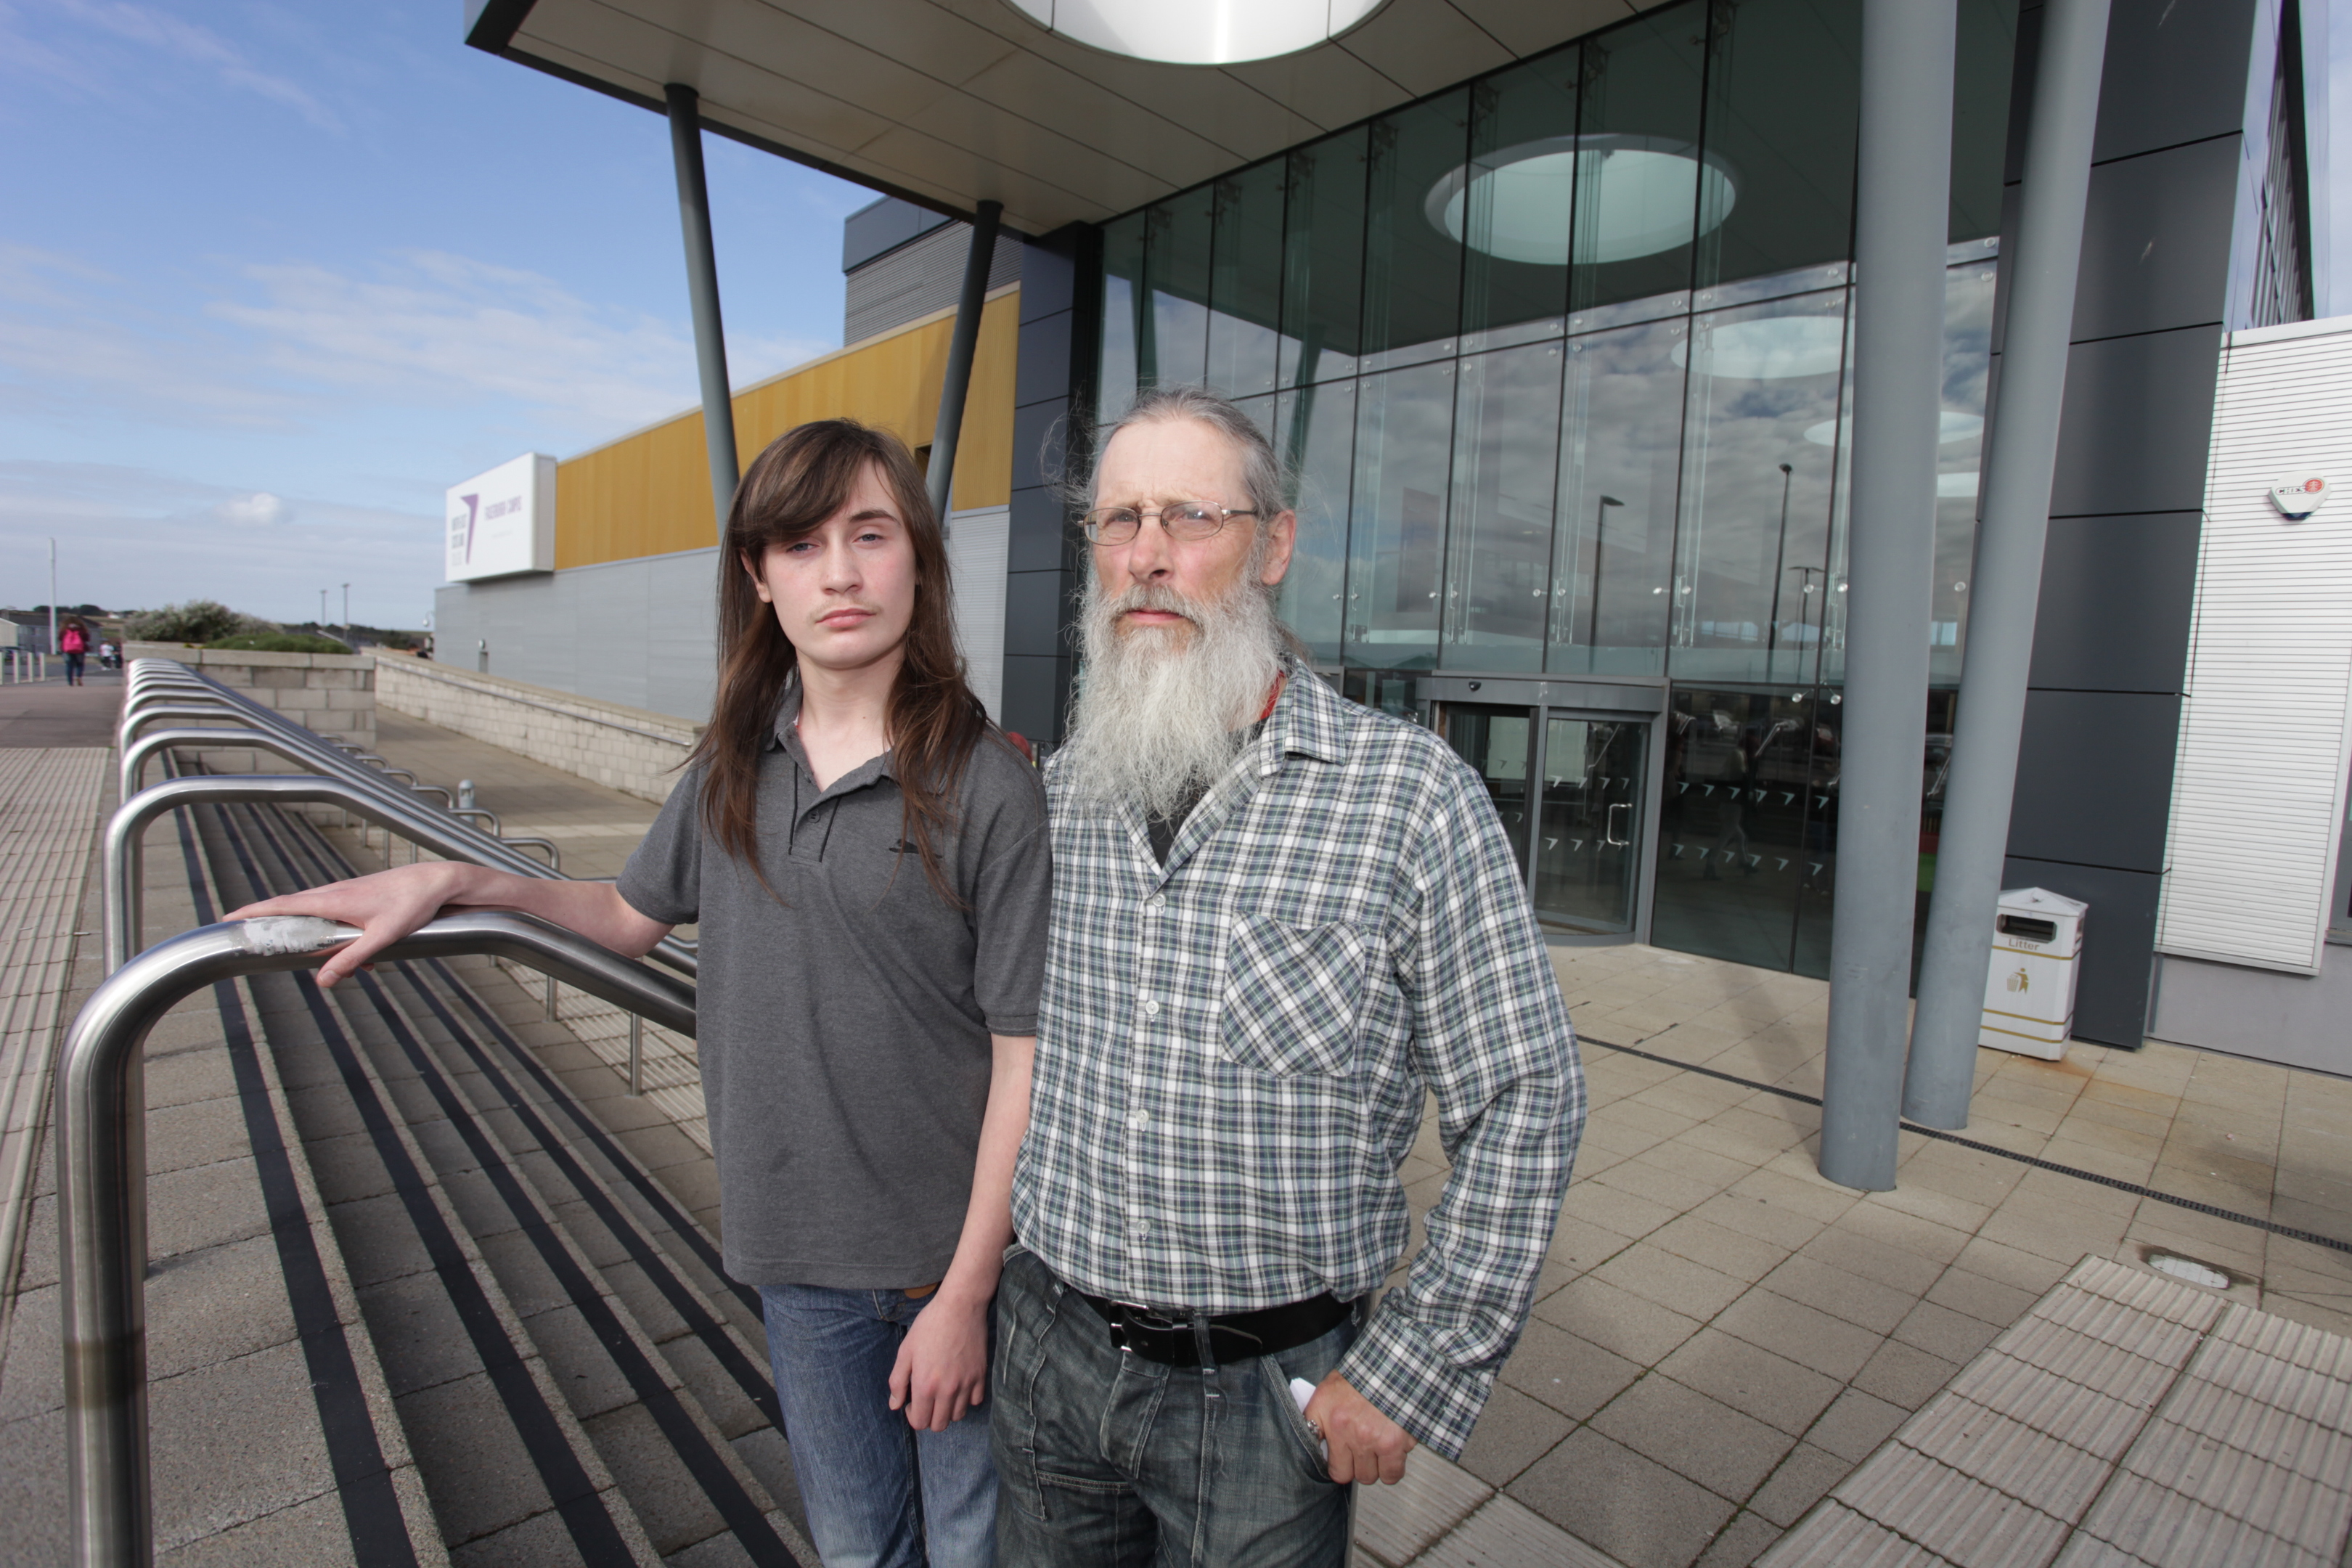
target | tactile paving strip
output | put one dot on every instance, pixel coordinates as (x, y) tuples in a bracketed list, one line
[(2126, 1421)]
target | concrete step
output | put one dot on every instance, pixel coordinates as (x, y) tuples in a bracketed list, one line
[(577, 1380)]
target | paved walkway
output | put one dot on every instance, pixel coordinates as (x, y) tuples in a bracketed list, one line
[(50, 802), (51, 713), (1721, 1336)]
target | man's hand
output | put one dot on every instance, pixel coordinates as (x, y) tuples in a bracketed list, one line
[(1365, 1445), (942, 1366), (386, 907)]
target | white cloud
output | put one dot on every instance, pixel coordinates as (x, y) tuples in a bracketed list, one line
[(259, 509), (201, 46), (131, 537)]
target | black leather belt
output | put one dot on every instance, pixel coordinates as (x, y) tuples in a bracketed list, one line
[(1233, 1336)]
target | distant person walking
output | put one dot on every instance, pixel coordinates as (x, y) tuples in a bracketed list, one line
[(74, 643), (866, 857)]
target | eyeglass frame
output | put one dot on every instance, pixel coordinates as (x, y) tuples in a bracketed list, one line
[(1225, 515)]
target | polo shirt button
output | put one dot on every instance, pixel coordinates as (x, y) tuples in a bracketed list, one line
[(1140, 1120), (1151, 1009)]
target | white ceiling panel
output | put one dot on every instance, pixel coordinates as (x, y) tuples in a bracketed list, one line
[(956, 101)]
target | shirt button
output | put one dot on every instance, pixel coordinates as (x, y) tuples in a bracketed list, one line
[(1143, 1227), (1159, 901), (1140, 1120), (1151, 1009)]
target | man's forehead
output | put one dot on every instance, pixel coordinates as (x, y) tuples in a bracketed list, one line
[(1142, 460)]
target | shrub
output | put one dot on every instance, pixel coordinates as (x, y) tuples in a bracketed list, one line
[(196, 621), (279, 642)]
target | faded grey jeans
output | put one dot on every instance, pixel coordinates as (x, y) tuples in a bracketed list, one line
[(1108, 1460)]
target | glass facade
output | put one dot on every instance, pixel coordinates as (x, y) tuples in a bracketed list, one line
[(1560, 361)]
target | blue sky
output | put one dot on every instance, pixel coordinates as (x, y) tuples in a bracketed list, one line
[(273, 276)]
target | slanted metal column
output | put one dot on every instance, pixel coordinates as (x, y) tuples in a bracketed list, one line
[(1901, 197), (2041, 263), (941, 479), (702, 288)]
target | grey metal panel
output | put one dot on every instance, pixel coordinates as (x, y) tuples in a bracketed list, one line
[(1036, 693), (882, 227), (2117, 592), (1041, 433), (2294, 1019), (1044, 369), (639, 632), (1042, 531), (1035, 613), (608, 628), (2156, 240), (1049, 282), (2176, 72), (2111, 996), (919, 279), (2094, 786), (2139, 413)]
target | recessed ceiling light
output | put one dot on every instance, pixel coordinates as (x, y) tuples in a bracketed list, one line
[(1771, 348), (1199, 32), (1631, 195)]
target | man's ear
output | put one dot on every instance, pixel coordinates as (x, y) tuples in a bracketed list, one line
[(1281, 537)]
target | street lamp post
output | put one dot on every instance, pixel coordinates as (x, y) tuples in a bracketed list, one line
[(347, 612)]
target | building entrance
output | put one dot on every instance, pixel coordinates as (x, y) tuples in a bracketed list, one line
[(1571, 786)]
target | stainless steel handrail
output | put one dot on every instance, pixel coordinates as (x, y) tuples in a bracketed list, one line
[(102, 1167), (133, 722), (674, 951)]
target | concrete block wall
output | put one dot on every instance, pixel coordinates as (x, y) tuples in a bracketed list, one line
[(632, 750), (332, 693)]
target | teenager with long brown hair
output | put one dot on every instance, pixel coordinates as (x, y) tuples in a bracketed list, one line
[(866, 860)]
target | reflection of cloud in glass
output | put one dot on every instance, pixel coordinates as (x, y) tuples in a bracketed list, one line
[(1639, 196), (1772, 349), (1956, 427)]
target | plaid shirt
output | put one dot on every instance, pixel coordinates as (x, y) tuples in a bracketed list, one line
[(1232, 1052)]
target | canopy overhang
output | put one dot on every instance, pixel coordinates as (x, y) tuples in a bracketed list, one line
[(948, 103)]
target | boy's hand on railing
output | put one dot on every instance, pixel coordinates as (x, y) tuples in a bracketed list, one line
[(386, 907)]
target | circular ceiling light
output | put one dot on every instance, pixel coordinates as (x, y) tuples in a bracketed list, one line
[(1198, 32), (1953, 427), (1640, 195), (1770, 348)]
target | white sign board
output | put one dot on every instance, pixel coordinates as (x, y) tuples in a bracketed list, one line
[(503, 522)]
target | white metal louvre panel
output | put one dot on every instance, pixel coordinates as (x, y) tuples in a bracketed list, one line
[(920, 278), (2258, 792), (979, 546)]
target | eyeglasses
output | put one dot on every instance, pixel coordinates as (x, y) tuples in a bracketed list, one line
[(1188, 522)]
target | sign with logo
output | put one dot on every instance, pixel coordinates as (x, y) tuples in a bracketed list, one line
[(2298, 499), (503, 522)]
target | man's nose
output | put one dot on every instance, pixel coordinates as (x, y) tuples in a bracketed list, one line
[(1149, 557)]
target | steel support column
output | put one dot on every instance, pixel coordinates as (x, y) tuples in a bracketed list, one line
[(1902, 193), (2040, 262), (961, 349), (702, 288)]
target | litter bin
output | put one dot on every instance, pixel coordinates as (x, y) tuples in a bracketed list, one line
[(2030, 990)]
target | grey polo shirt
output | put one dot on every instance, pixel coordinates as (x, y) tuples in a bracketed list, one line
[(845, 1019)]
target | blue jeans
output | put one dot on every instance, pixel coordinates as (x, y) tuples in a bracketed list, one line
[(1108, 1460), (879, 1494)]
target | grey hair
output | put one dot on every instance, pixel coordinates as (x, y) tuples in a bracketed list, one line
[(1262, 468)]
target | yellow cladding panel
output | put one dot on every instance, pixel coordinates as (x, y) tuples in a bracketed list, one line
[(650, 494)]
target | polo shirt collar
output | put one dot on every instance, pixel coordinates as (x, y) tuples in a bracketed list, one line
[(786, 737)]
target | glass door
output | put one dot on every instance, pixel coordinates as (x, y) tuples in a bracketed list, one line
[(1497, 741), (1587, 850)]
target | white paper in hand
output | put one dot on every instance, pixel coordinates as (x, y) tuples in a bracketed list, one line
[(1302, 1392)]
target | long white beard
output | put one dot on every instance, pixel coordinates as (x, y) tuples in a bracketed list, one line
[(1157, 723)]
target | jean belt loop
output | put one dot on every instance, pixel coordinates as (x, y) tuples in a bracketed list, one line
[(1201, 1341)]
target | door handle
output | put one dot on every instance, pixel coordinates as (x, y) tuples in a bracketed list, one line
[(1612, 826)]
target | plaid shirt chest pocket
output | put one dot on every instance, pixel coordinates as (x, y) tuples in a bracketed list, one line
[(1293, 1001)]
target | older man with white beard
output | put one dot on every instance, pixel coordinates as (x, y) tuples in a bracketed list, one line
[(1278, 919)]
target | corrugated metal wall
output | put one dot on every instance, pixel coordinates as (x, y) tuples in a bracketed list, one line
[(977, 542), (2258, 793), (918, 278)]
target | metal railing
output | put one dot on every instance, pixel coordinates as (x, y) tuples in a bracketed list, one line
[(162, 688), (103, 1165)]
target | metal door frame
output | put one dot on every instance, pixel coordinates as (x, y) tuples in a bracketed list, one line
[(1584, 698)]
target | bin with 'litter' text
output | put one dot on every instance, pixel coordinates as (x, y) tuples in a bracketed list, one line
[(2037, 946)]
